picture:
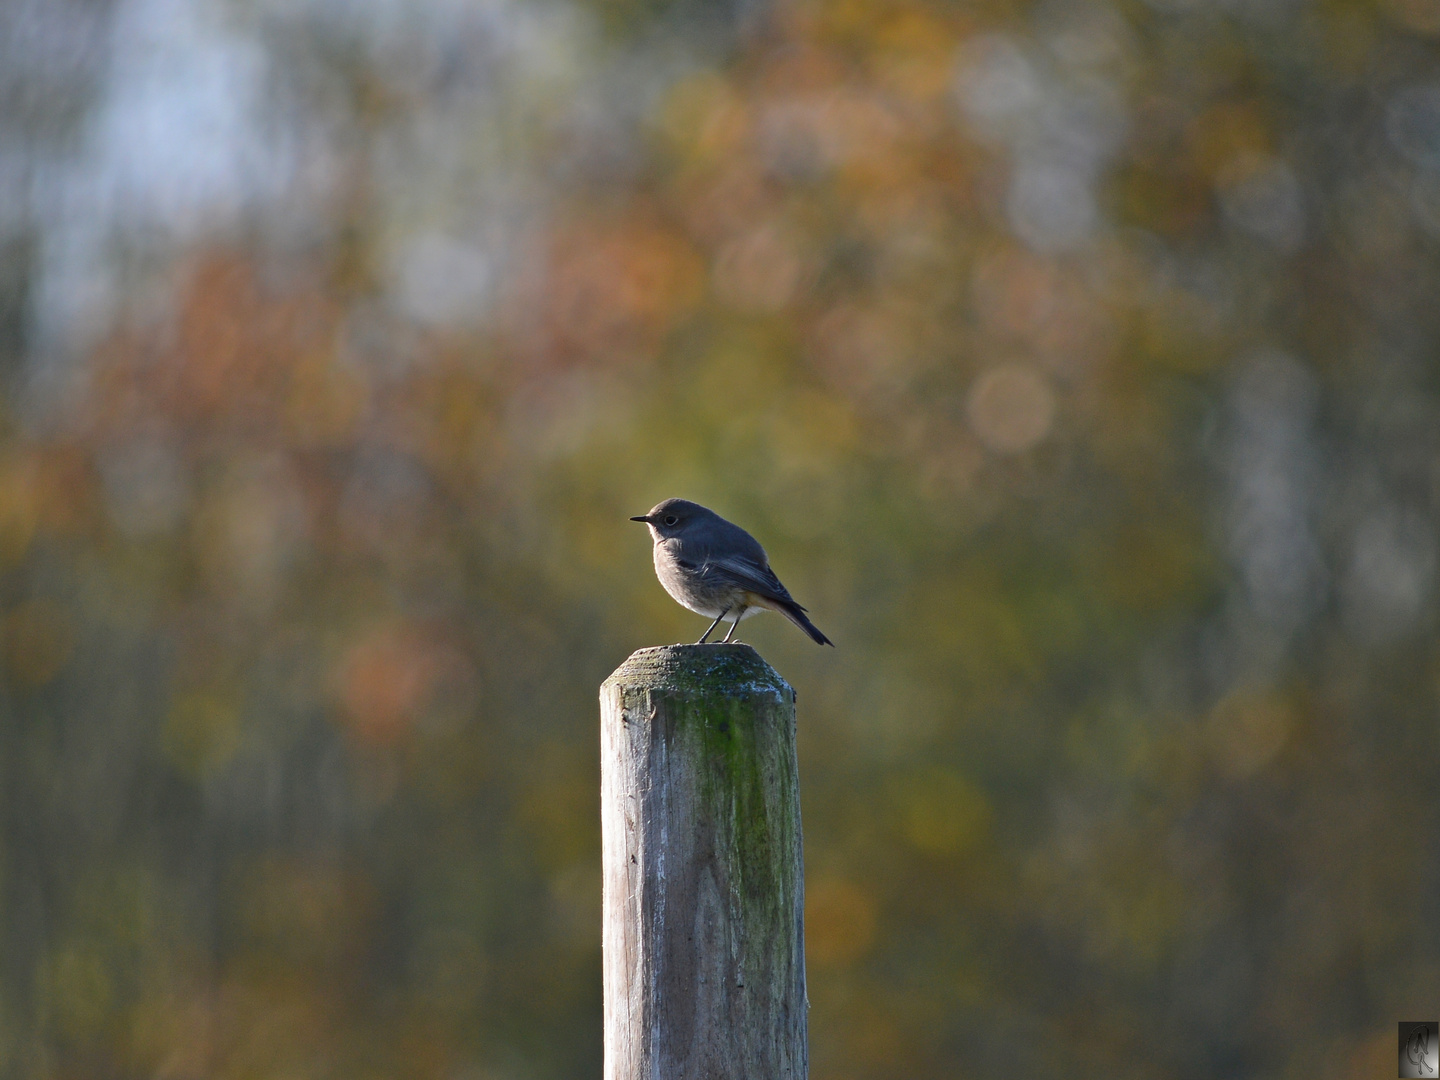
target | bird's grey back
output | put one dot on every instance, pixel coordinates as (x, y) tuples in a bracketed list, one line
[(706, 536)]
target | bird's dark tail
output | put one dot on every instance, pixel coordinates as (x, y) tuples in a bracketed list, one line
[(796, 614)]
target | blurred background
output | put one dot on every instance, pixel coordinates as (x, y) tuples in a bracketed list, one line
[(1078, 363)]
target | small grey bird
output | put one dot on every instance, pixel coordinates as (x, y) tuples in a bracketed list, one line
[(717, 569)]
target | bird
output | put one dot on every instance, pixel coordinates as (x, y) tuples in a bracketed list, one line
[(717, 569)]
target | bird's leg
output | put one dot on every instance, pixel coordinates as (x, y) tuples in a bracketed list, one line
[(738, 616), (713, 625)]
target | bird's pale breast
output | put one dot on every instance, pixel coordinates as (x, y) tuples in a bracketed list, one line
[(692, 591)]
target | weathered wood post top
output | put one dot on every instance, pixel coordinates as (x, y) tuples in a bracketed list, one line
[(704, 902)]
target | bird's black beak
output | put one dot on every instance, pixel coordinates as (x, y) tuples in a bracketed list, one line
[(646, 520)]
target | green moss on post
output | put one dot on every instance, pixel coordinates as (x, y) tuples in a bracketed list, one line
[(703, 908)]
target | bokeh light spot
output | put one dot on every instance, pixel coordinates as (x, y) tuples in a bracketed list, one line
[(387, 679), (18, 508), (758, 271), (1010, 408), (1261, 195), (1248, 728)]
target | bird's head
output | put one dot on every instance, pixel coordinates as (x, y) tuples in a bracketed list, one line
[(672, 517)]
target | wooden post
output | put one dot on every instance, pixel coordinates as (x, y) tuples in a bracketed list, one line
[(704, 902)]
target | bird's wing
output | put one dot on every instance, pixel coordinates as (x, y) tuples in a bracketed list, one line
[(746, 574)]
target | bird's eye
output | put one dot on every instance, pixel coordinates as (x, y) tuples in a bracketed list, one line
[(671, 519)]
